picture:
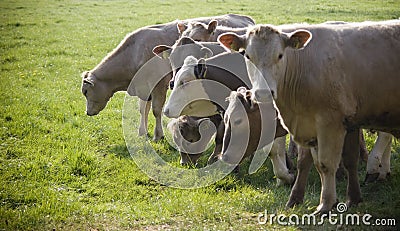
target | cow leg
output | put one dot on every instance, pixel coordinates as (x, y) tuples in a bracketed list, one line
[(375, 157), (384, 170), (158, 99), (304, 163), (292, 149), (144, 108), (350, 155), (219, 138), (278, 159), (363, 148), (330, 139)]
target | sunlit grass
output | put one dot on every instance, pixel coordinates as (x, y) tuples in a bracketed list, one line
[(61, 169)]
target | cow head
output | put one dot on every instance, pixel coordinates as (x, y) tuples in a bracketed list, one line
[(183, 48), (201, 32), (95, 92), (266, 47), (192, 135), (189, 96), (241, 110)]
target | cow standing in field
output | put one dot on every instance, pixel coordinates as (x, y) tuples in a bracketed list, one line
[(115, 72), (327, 81)]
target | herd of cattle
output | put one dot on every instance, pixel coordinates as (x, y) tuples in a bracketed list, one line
[(325, 83)]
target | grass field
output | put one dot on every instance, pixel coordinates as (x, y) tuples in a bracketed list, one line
[(63, 170)]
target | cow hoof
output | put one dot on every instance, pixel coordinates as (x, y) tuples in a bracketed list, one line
[(369, 178), (293, 201), (353, 202), (324, 208), (156, 139)]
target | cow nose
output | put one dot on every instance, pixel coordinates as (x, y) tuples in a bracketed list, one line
[(166, 112), (171, 85)]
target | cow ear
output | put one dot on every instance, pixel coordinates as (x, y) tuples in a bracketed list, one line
[(298, 39), (162, 51), (200, 69), (232, 41), (186, 41), (206, 52), (181, 27), (212, 26), (85, 74)]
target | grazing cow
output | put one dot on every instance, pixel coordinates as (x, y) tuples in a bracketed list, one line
[(327, 81), (234, 122), (115, 72), (228, 69), (192, 135), (202, 32)]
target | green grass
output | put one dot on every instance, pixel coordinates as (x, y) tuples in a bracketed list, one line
[(60, 169)]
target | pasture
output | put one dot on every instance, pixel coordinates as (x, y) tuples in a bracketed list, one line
[(63, 170)]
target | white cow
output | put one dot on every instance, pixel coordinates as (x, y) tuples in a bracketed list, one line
[(327, 81)]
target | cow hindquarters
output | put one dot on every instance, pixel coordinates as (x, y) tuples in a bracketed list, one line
[(350, 155), (330, 139)]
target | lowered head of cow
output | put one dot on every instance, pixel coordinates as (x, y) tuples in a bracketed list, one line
[(95, 92), (191, 135), (201, 32), (266, 47), (189, 96), (241, 137), (183, 48)]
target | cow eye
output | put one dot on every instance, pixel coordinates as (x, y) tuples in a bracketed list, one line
[(280, 56), (237, 122)]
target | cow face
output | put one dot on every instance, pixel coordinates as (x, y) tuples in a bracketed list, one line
[(241, 110), (96, 94), (192, 135), (266, 46), (201, 32), (189, 96)]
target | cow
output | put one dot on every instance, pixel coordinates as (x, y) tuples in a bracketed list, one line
[(115, 72), (227, 69), (233, 120), (202, 32), (192, 135), (327, 81)]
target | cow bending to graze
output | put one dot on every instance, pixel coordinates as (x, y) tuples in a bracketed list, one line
[(195, 95), (327, 81), (235, 126), (202, 32), (115, 72), (192, 135)]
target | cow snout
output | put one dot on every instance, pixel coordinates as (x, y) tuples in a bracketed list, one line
[(166, 112), (91, 113)]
